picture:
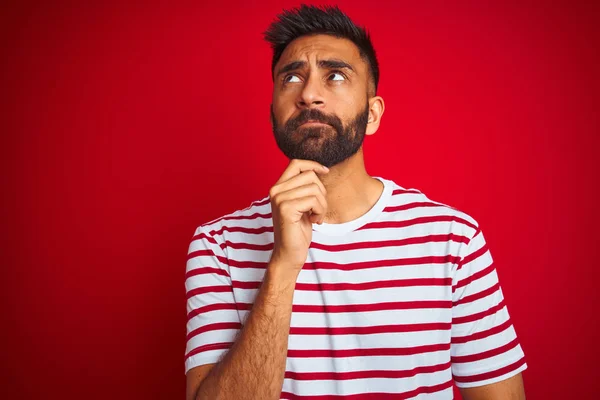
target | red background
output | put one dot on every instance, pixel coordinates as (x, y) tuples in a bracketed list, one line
[(124, 128)]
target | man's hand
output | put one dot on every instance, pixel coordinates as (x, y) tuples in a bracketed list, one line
[(297, 201)]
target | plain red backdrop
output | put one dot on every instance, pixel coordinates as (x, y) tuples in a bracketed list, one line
[(125, 127)]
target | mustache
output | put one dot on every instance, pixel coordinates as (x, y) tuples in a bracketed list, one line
[(312, 114)]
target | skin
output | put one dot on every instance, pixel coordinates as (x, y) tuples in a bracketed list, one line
[(306, 193), (351, 191)]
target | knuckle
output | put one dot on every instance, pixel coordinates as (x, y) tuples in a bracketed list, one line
[(276, 199)]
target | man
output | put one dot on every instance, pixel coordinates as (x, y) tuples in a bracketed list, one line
[(339, 284)]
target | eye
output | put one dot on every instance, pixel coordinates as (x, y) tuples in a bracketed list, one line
[(289, 79), (340, 76)]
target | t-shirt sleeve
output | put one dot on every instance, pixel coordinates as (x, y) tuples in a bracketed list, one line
[(484, 345), (212, 317)]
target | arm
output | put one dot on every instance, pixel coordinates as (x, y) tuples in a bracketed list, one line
[(508, 389), (487, 359), (254, 367)]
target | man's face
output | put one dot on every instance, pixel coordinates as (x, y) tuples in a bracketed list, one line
[(320, 107)]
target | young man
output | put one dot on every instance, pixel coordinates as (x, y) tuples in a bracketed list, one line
[(339, 284)]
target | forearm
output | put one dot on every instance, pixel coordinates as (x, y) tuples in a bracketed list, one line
[(254, 366)]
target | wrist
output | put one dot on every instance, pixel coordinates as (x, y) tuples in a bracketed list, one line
[(281, 274)]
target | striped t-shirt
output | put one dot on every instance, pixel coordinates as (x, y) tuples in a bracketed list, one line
[(396, 304)]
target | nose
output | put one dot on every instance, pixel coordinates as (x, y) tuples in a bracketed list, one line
[(311, 95)]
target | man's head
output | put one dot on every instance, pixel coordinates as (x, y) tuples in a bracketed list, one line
[(324, 70)]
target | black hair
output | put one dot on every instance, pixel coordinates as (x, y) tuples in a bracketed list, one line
[(329, 20)]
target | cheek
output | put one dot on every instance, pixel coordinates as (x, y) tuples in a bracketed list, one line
[(346, 107), (283, 107), (281, 101)]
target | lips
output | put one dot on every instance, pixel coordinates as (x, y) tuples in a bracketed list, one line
[(313, 122)]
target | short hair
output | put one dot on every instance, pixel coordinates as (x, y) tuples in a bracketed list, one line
[(329, 20)]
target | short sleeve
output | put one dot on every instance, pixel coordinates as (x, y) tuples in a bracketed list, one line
[(212, 317), (484, 345)]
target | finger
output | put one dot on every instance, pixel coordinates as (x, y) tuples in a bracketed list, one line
[(305, 204), (316, 219), (296, 167), (303, 191), (305, 178)]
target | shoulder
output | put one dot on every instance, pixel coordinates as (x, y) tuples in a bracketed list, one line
[(413, 203), (256, 215)]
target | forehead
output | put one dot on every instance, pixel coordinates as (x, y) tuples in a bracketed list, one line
[(318, 47)]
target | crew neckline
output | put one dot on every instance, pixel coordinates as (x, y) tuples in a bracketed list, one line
[(346, 227)]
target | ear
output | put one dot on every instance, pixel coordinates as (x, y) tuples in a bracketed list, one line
[(376, 108)]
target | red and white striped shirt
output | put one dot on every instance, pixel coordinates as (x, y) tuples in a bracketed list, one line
[(397, 304)]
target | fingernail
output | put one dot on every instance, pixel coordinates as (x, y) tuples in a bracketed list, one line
[(325, 168)]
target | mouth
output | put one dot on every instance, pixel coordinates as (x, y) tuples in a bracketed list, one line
[(314, 123)]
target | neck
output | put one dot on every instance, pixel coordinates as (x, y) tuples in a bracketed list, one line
[(351, 192)]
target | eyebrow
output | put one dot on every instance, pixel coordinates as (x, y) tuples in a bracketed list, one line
[(326, 64)]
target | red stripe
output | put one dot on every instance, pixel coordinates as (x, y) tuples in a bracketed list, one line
[(359, 245), (368, 330), (253, 231), (238, 218), (205, 237), (473, 256), (261, 202), (384, 351), (245, 217), (206, 270), (244, 264), (473, 277), (405, 191), (211, 307), (246, 285), (491, 374), (473, 297), (257, 203), (214, 327), (372, 396), (416, 221), (201, 253), (374, 285), (208, 289), (338, 376), (479, 315), (411, 206), (318, 287), (390, 243), (485, 354), (383, 263), (482, 334), (248, 246), (400, 305), (207, 347), (352, 266)]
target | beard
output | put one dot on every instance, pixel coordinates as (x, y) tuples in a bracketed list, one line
[(328, 145)]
